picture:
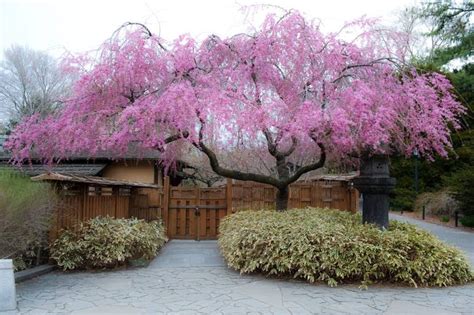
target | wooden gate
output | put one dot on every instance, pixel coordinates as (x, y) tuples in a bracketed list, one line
[(195, 213), (187, 212)]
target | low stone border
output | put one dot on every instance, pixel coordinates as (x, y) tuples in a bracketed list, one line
[(27, 274)]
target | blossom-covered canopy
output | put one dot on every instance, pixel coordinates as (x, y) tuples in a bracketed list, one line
[(286, 91)]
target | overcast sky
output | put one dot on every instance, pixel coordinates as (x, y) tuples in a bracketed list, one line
[(76, 26)]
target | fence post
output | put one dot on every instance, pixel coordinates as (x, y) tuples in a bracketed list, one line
[(166, 201), (423, 212), (115, 195), (197, 214), (456, 218), (229, 207)]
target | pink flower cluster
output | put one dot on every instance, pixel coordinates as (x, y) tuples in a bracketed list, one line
[(287, 78)]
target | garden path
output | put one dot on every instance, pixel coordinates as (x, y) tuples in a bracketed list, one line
[(190, 277), (459, 238)]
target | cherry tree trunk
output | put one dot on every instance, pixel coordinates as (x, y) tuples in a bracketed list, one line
[(375, 184), (281, 202)]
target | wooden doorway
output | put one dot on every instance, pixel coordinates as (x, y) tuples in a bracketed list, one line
[(195, 213)]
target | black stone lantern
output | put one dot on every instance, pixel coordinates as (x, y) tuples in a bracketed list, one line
[(375, 184)]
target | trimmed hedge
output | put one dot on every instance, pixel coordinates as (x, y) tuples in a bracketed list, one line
[(468, 221), (333, 246), (105, 242)]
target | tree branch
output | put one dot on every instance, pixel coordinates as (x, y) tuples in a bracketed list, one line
[(270, 142), (175, 137), (291, 149), (228, 173), (273, 146), (311, 167)]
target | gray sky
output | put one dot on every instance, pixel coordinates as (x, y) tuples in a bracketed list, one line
[(76, 26)]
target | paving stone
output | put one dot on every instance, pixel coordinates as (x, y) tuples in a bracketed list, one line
[(190, 289), (109, 310), (399, 307)]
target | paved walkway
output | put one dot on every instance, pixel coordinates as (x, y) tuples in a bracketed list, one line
[(191, 278), (459, 238)]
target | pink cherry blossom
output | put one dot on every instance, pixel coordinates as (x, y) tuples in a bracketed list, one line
[(287, 79)]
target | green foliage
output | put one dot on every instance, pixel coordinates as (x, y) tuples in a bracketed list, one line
[(444, 218), (26, 210), (404, 198), (461, 186), (333, 246), (433, 175), (452, 24), (453, 29), (467, 221), (105, 242)]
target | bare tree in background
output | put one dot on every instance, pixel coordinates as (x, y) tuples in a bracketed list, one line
[(30, 83)]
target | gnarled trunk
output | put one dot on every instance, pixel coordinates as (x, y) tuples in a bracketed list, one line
[(281, 202)]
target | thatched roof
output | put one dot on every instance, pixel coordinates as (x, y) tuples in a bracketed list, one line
[(92, 180), (87, 169)]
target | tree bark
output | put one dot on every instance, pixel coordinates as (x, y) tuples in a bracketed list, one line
[(281, 201), (281, 182)]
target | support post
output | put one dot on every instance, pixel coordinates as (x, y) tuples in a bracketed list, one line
[(228, 195), (166, 202), (375, 184), (7, 286)]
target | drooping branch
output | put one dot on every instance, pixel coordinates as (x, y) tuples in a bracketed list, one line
[(310, 167), (291, 149), (270, 142), (234, 174), (343, 73), (281, 183), (273, 145), (146, 30), (172, 138), (229, 173)]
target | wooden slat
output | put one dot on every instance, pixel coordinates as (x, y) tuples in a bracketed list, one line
[(176, 205)]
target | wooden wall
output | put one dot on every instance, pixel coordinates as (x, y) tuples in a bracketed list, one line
[(318, 193), (83, 202), (192, 212)]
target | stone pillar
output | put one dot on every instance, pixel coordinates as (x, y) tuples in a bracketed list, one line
[(375, 184), (7, 286)]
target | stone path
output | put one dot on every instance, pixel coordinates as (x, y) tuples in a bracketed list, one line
[(191, 278), (459, 238)]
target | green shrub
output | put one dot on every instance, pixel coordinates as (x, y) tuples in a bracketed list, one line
[(467, 220), (402, 199), (444, 218), (333, 246), (105, 242), (461, 185), (26, 210)]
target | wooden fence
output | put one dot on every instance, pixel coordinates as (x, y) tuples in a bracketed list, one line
[(84, 202), (192, 212), (317, 193)]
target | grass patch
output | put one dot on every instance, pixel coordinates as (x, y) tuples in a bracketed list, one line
[(333, 246), (26, 212)]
